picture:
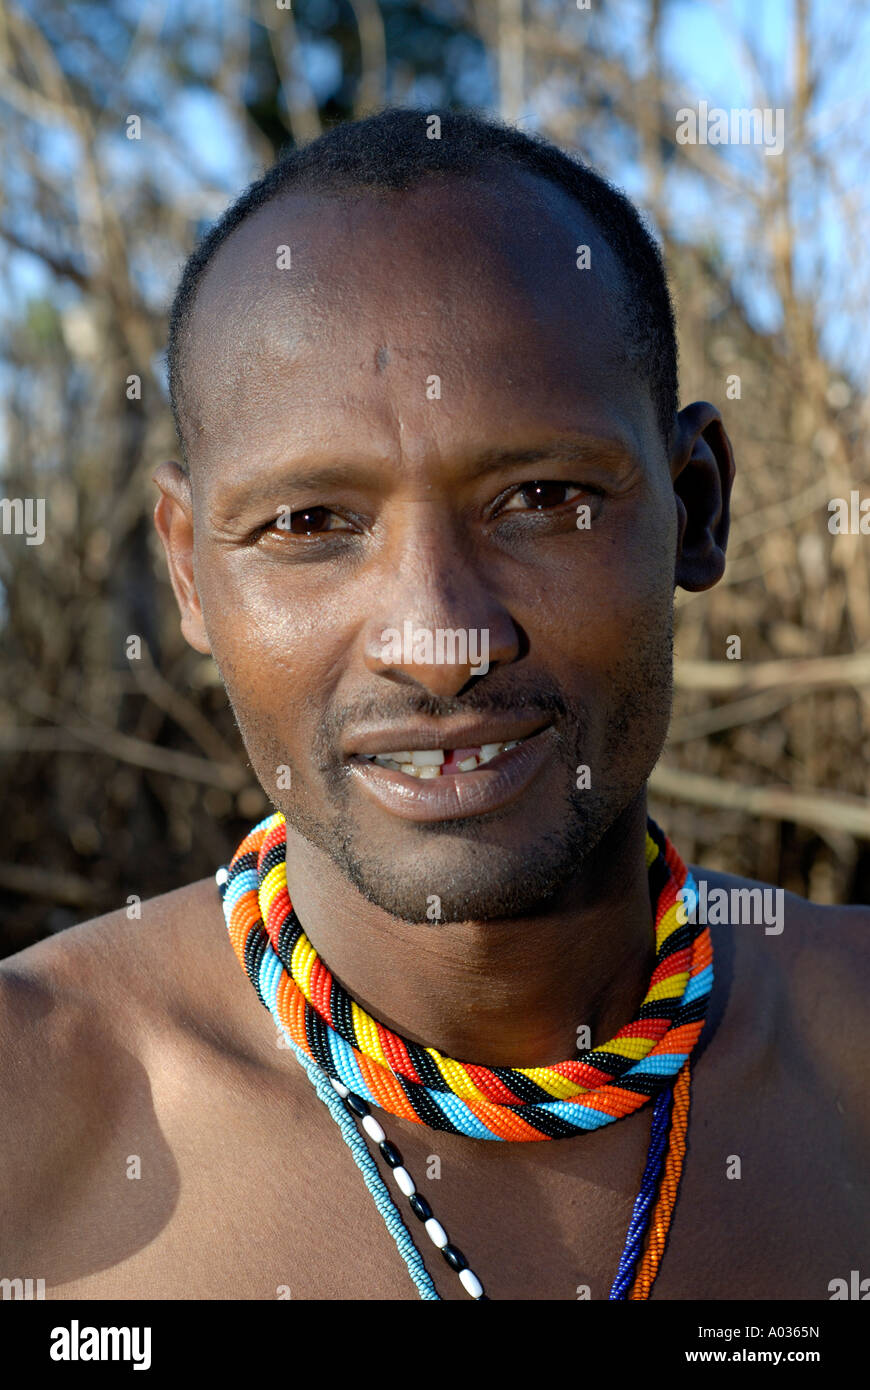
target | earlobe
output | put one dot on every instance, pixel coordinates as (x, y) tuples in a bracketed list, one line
[(173, 518), (194, 633), (702, 469)]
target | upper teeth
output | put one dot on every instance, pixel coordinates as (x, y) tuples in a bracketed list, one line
[(426, 762)]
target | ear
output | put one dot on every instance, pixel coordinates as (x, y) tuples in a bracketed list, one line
[(173, 517), (702, 469)]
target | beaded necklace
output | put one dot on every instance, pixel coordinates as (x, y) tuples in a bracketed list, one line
[(352, 1060)]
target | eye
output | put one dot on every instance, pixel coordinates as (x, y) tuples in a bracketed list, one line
[(541, 496), (307, 521)]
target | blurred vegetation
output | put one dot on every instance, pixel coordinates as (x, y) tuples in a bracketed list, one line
[(128, 776)]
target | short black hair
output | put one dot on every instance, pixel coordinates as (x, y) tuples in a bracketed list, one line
[(391, 151)]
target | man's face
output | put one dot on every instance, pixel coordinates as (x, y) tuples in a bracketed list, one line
[(425, 395)]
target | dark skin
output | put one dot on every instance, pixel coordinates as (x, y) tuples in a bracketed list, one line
[(146, 1038), (293, 623)]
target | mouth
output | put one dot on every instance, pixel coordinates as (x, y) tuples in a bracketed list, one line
[(454, 782), (426, 763)]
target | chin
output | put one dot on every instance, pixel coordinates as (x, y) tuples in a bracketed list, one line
[(470, 883)]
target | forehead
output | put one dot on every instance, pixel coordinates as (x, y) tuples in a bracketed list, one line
[(329, 313)]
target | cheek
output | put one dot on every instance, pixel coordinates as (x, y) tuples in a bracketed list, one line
[(280, 653), (601, 623), (261, 613), (608, 591)]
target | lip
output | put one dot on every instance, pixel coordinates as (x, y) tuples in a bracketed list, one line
[(464, 733), (458, 795)]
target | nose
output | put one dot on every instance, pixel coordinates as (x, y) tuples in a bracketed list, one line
[(438, 623)]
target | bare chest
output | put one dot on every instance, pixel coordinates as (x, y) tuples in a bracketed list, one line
[(247, 1191)]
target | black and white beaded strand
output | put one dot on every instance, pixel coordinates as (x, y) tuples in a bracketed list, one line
[(454, 1257)]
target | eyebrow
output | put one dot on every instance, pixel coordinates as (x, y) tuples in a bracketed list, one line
[(574, 448), (582, 449)]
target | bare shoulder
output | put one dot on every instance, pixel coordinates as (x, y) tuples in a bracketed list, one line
[(808, 963), (798, 924), (66, 1001), (85, 1018), (115, 966)]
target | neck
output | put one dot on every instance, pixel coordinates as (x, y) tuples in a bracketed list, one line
[(496, 993)]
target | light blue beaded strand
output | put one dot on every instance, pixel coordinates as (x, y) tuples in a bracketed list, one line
[(373, 1180)]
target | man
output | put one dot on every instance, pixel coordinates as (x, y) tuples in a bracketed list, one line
[(425, 379)]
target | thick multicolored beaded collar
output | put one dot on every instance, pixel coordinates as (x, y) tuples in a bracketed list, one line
[(600, 1085)]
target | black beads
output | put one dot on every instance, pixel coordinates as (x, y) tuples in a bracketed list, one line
[(420, 1207), (391, 1154), (454, 1257), (356, 1104)]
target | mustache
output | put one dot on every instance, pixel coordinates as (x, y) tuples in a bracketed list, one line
[(397, 705)]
